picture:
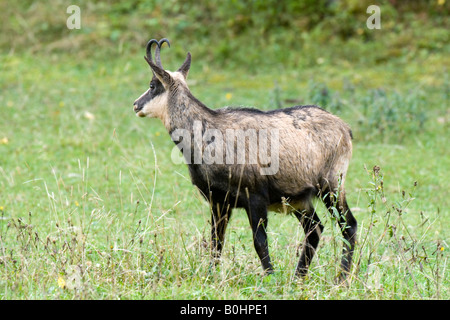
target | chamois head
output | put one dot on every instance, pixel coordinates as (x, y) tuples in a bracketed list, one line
[(153, 102)]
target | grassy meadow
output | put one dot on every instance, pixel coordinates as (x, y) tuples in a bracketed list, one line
[(92, 207)]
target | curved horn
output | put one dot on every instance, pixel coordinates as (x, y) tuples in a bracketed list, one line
[(148, 49), (158, 52)]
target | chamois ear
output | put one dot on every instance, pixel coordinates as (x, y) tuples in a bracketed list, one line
[(160, 73), (184, 69)]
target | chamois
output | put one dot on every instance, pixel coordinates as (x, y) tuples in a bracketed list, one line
[(309, 153)]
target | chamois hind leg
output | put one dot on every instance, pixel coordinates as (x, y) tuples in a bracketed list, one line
[(257, 215), (348, 225), (313, 229)]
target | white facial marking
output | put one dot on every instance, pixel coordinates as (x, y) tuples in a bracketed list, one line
[(155, 108)]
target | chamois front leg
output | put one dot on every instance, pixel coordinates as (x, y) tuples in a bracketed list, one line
[(219, 221), (257, 214)]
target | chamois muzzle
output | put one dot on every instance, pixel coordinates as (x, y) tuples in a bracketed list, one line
[(147, 95)]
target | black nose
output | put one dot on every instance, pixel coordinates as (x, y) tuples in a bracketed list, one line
[(135, 108)]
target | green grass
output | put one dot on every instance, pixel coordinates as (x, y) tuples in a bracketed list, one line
[(92, 207)]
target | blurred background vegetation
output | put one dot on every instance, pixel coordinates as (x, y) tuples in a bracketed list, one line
[(246, 34), (322, 47)]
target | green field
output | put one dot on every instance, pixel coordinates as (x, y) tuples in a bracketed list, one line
[(92, 207)]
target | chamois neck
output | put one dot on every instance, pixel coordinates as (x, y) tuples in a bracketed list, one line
[(187, 109)]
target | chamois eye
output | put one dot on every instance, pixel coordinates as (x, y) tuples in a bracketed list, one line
[(152, 86)]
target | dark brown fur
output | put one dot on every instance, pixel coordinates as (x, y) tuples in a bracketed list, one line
[(315, 148)]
